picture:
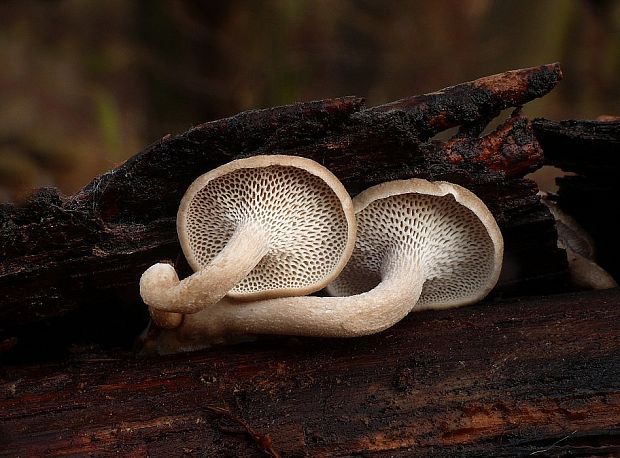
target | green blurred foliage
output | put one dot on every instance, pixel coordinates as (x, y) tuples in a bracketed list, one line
[(85, 83)]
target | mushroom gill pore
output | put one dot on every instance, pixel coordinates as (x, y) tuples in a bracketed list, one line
[(260, 227)]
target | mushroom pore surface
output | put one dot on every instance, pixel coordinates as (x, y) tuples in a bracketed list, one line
[(458, 250), (302, 218)]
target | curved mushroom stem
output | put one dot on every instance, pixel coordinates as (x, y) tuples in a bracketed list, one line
[(161, 289), (361, 314)]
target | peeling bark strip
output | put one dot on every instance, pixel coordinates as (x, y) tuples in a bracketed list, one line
[(85, 253), (469, 102), (507, 378)]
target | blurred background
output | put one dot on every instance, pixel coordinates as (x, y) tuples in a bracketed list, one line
[(85, 84)]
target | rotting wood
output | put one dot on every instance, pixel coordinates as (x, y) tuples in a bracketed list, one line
[(78, 259), (533, 376)]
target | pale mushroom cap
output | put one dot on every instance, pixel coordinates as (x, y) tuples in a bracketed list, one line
[(443, 226), (304, 210)]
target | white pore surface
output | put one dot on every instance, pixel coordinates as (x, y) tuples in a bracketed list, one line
[(303, 217), (452, 245)]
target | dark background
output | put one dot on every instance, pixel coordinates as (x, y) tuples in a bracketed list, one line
[(85, 84)]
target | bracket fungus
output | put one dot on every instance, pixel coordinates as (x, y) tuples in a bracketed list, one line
[(420, 244), (260, 227)]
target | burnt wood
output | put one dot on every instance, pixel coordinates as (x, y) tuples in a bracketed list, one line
[(69, 266), (535, 376)]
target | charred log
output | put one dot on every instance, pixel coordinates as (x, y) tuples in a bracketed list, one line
[(80, 257)]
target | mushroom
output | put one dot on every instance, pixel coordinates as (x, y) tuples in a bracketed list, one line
[(419, 244), (445, 227), (580, 250), (260, 227)]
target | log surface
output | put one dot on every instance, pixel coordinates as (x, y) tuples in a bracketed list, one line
[(537, 376), (79, 258)]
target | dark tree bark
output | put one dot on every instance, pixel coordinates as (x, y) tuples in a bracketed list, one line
[(537, 376), (591, 149), (78, 259)]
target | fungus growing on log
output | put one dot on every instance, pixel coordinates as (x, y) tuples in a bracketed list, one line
[(419, 242)]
